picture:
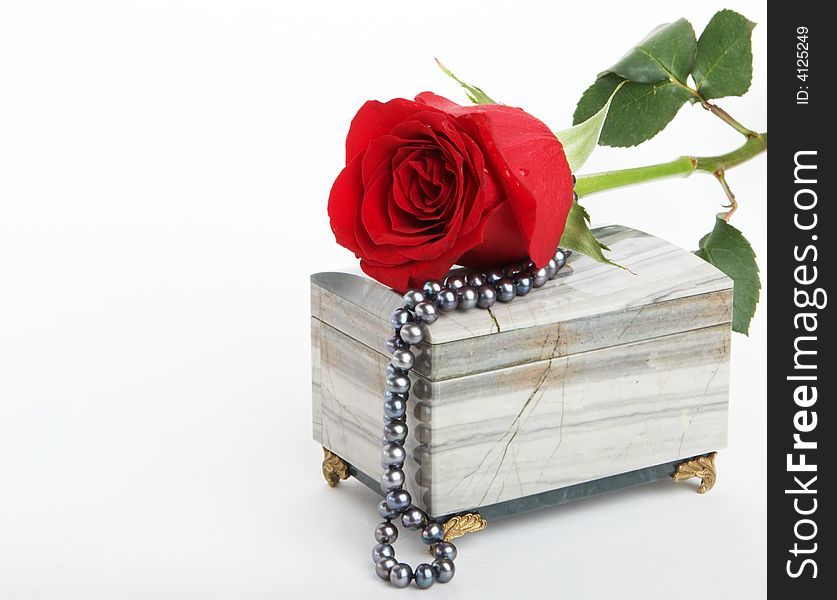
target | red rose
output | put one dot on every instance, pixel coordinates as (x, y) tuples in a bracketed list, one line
[(429, 184)]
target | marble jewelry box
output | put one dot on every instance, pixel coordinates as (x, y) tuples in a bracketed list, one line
[(602, 379)]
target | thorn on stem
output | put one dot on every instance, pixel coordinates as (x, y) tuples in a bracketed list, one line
[(733, 204)]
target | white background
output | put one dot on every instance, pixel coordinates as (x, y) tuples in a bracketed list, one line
[(164, 172)]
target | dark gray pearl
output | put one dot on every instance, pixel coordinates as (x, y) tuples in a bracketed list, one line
[(395, 431), (443, 570), (399, 500), (424, 576), (506, 290), (413, 297), (394, 408), (413, 518), (398, 384), (511, 270), (516, 268), (386, 533), (426, 312), (454, 282), (391, 480), (394, 342), (487, 296), (539, 277), (522, 284), (432, 534), (430, 289), (475, 279), (400, 575), (551, 268), (446, 300), (385, 511), (444, 550), (560, 257), (467, 296), (391, 370), (412, 333), (403, 359), (384, 566), (393, 455), (382, 551), (403, 397), (400, 317), (493, 276), (387, 420)]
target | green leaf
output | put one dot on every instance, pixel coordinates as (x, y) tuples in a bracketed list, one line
[(475, 94), (668, 51), (724, 62), (638, 111), (728, 249), (578, 237), (580, 140)]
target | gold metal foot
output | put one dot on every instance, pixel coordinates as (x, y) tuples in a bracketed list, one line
[(334, 468), (459, 525), (702, 467)]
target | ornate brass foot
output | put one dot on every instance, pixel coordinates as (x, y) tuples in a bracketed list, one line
[(334, 468), (457, 526), (461, 524), (702, 467)]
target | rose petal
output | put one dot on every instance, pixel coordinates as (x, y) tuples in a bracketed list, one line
[(344, 204), (530, 164), (503, 242), (429, 183), (414, 274), (375, 119), (375, 221), (378, 156), (533, 172), (431, 99)]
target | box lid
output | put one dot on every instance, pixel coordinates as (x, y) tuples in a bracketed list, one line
[(590, 305)]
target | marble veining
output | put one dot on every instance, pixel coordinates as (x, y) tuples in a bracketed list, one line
[(601, 373), (573, 419), (655, 271), (589, 306)]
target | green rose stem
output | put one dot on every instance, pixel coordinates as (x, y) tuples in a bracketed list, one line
[(715, 110), (680, 167), (726, 118)]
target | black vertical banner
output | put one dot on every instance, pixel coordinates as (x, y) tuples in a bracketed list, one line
[(800, 330)]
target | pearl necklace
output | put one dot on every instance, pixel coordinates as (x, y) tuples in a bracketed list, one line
[(421, 309)]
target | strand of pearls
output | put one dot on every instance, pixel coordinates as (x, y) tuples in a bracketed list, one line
[(422, 308)]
